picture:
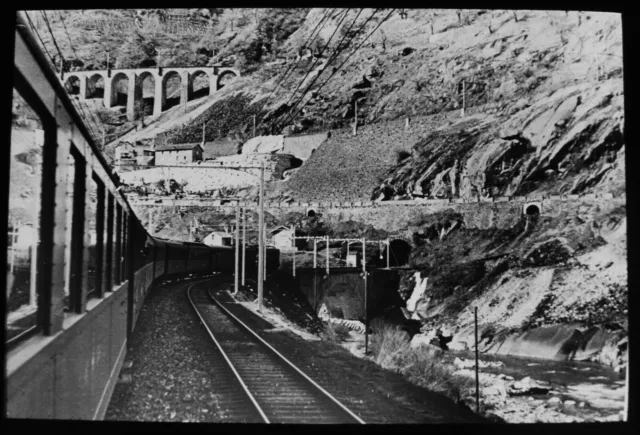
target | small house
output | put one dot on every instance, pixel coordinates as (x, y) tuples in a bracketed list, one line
[(217, 238), (282, 238), (125, 153), (173, 154), (353, 259)]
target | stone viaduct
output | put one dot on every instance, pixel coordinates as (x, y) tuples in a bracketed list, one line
[(123, 87)]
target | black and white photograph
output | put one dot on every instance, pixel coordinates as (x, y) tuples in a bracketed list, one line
[(317, 215)]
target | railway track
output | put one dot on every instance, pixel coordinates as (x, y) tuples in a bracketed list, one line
[(277, 389)]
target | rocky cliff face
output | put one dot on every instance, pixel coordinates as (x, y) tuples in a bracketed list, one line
[(568, 142)]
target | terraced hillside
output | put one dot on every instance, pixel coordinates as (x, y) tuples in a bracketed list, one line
[(347, 167)]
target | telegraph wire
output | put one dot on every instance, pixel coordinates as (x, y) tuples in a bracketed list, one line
[(288, 117), (349, 57), (68, 37), (314, 64), (293, 66), (333, 56), (78, 59), (55, 43)]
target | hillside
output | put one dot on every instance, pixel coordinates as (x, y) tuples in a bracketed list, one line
[(543, 114)]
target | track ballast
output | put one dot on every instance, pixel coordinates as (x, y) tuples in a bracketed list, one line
[(279, 391)]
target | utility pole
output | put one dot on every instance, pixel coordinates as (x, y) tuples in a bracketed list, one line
[(463, 97), (366, 296), (254, 125), (244, 242), (261, 258), (315, 252), (355, 123), (327, 254), (388, 248), (265, 252), (237, 273), (294, 252), (203, 133)]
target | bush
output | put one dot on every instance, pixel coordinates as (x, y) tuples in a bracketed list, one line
[(335, 332), (392, 350)]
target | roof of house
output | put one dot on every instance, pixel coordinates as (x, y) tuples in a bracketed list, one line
[(221, 148), (177, 146), (219, 233), (145, 160), (280, 229)]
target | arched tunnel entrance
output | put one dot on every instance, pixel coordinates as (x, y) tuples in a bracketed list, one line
[(532, 210), (311, 213), (400, 251)]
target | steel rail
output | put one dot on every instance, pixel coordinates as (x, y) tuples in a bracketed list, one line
[(224, 355), (286, 361)]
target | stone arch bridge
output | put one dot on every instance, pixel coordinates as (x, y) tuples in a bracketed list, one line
[(125, 87)]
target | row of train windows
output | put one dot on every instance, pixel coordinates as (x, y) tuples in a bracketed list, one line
[(84, 237)]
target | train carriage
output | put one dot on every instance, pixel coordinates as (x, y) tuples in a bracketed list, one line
[(76, 300)]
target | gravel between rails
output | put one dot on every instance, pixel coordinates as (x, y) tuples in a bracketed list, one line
[(177, 373)]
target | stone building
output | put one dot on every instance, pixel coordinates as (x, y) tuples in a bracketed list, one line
[(173, 154)]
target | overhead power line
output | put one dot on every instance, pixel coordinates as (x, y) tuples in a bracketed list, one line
[(348, 57), (55, 43), (316, 61), (293, 66), (338, 50)]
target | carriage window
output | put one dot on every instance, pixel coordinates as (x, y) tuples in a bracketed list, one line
[(117, 252), (25, 184), (92, 266), (69, 274), (109, 249)]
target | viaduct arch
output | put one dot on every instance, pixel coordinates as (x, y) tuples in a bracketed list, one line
[(126, 87)]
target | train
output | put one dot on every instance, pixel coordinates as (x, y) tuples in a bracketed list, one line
[(86, 294)]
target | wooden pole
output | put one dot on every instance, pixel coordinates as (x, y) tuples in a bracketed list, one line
[(315, 252), (327, 251), (237, 264), (265, 252), (244, 243), (388, 249), (366, 297), (463, 98), (261, 258), (348, 243), (475, 316), (355, 123), (254, 125), (294, 258)]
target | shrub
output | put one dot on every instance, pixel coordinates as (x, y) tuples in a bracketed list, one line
[(390, 346), (435, 374), (392, 350), (335, 332)]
